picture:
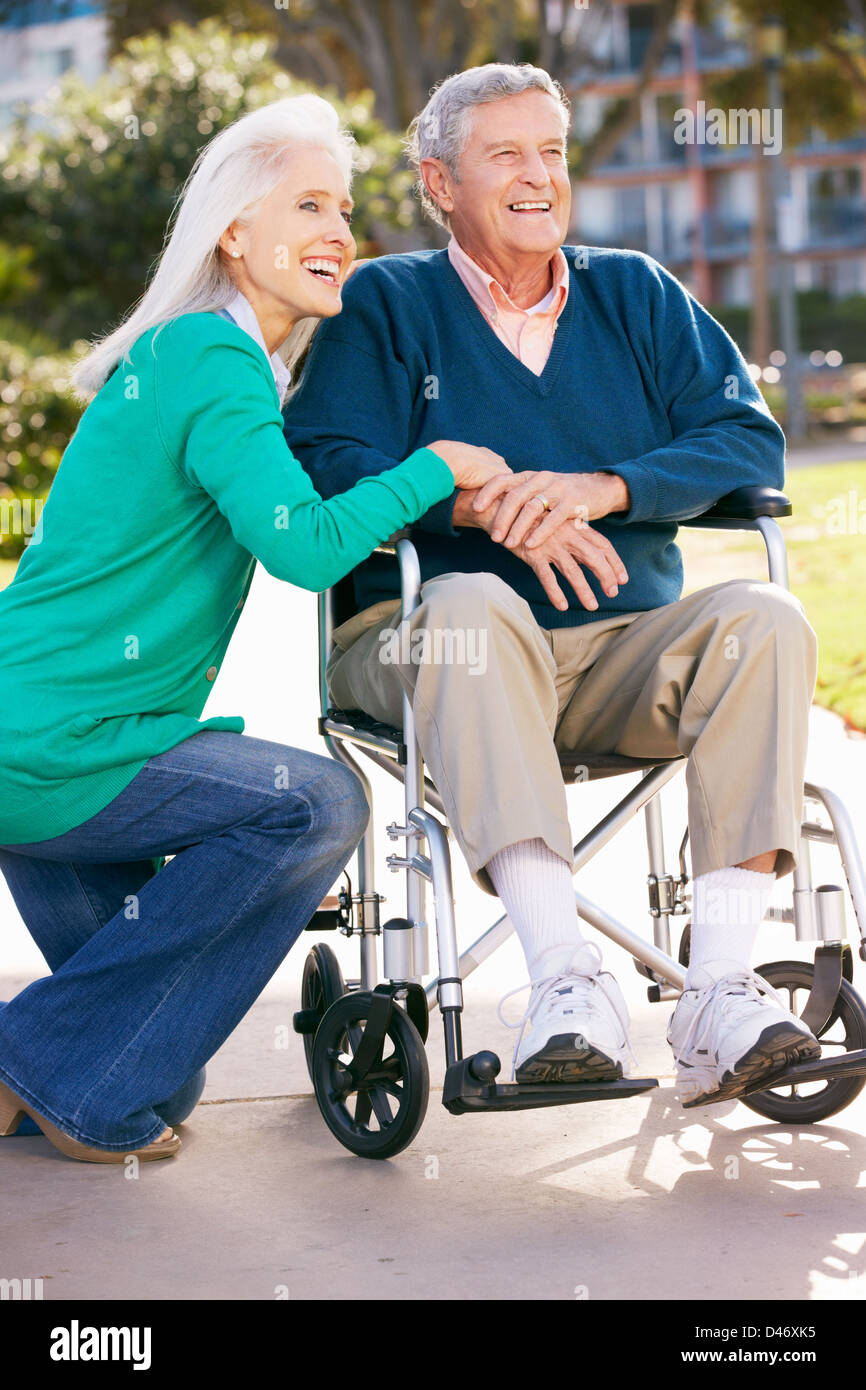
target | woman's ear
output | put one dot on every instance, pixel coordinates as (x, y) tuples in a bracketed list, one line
[(230, 243)]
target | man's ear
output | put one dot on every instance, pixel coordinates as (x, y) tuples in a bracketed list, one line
[(438, 182)]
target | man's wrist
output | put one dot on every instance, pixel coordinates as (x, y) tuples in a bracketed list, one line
[(616, 493), (463, 515)]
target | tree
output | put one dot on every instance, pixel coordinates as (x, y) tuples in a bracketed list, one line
[(91, 191), (400, 49), (824, 71)]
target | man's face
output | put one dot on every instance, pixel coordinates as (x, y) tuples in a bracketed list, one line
[(514, 194)]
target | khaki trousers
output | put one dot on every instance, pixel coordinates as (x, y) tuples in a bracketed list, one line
[(724, 677)]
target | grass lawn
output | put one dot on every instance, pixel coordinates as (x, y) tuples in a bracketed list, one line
[(826, 540)]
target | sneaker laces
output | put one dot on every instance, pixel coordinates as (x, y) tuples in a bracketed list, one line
[(583, 990), (738, 991)]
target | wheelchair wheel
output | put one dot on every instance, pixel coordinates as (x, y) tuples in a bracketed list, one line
[(685, 945), (844, 1032), (381, 1114), (322, 984)]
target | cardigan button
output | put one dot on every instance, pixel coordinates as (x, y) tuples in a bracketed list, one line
[(211, 673)]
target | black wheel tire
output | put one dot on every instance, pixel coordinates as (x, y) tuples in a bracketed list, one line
[(685, 945), (322, 984), (847, 1022), (397, 1102)]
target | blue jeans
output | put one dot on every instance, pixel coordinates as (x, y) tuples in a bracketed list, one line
[(152, 970)]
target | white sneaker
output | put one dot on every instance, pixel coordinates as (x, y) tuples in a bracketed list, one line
[(578, 1019), (730, 1030)]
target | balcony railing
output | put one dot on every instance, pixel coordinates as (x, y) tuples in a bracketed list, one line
[(830, 222)]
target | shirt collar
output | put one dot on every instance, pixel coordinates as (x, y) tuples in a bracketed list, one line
[(240, 311), (485, 288)]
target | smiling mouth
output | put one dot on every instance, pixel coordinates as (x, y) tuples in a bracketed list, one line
[(325, 270), (522, 207)]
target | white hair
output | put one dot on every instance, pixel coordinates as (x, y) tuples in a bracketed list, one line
[(232, 173), (441, 130)]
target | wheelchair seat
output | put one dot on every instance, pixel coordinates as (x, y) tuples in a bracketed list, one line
[(591, 767)]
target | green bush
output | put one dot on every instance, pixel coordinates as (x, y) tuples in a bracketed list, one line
[(38, 416)]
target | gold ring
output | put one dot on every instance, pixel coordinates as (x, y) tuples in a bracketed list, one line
[(540, 497)]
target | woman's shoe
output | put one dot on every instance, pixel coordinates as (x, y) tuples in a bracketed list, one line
[(12, 1110)]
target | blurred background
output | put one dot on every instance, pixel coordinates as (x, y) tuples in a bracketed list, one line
[(103, 107)]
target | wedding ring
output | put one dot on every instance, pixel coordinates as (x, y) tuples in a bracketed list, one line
[(540, 497)]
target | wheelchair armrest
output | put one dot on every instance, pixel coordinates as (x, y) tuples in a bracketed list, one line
[(389, 547), (743, 504)]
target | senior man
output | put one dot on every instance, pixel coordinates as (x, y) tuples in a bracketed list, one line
[(617, 400)]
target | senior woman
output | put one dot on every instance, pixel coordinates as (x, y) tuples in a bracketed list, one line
[(176, 481)]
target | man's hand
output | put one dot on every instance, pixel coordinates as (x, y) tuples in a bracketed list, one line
[(567, 548), (572, 498)]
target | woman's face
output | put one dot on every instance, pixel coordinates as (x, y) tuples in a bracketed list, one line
[(296, 251)]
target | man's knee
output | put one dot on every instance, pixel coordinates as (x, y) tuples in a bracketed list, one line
[(456, 595), (785, 614), (771, 608)]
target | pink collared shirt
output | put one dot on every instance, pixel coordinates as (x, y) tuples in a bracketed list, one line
[(528, 333)]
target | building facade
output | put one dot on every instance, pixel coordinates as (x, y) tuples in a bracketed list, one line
[(696, 206), (39, 42)]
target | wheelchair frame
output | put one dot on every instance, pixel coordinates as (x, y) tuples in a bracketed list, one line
[(470, 1083)]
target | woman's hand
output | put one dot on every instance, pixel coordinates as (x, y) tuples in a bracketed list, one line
[(471, 464)]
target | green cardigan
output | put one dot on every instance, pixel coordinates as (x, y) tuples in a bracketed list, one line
[(176, 480)]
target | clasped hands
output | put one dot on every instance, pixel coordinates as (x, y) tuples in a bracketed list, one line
[(543, 518)]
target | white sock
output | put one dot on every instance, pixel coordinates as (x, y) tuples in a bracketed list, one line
[(727, 909), (536, 889)]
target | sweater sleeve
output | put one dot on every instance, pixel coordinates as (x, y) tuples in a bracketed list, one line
[(341, 436), (724, 436), (222, 427)]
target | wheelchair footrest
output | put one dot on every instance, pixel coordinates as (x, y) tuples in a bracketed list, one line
[(822, 1069), (464, 1093)]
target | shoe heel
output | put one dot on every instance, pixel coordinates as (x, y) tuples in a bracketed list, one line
[(11, 1113)]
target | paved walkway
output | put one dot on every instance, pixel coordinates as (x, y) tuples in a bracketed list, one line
[(635, 1199), (829, 451)]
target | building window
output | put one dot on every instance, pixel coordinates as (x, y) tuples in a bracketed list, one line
[(50, 62)]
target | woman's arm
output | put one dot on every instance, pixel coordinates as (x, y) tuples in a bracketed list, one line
[(222, 428)]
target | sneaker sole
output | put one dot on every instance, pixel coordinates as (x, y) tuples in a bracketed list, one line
[(569, 1058), (778, 1048)]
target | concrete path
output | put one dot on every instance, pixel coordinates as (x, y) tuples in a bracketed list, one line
[(635, 1199), (830, 451)]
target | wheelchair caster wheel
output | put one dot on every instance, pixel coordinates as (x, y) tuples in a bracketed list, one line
[(322, 984), (845, 1031), (372, 1086)]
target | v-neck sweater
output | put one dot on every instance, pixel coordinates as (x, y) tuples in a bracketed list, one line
[(641, 381), (176, 481)]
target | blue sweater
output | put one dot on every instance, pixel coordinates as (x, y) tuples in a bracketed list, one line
[(641, 381)]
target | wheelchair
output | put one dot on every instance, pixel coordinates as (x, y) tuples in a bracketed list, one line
[(365, 1040)]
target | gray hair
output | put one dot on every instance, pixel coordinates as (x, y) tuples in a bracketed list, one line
[(441, 130)]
